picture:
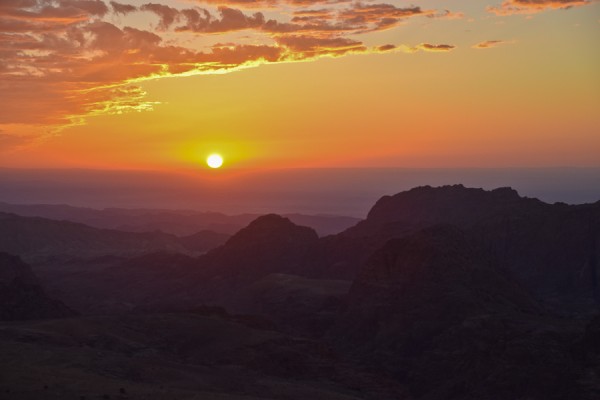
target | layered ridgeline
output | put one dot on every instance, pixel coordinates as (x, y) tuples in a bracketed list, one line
[(259, 270), (177, 222), (35, 238), (440, 293), (549, 249)]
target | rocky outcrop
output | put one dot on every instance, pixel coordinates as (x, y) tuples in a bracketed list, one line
[(269, 244), (550, 249), (435, 311), (436, 275), (21, 296), (425, 206)]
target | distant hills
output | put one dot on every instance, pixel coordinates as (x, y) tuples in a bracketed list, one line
[(440, 293), (551, 250), (37, 238), (177, 222)]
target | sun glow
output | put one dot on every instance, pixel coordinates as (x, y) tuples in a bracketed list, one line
[(214, 161)]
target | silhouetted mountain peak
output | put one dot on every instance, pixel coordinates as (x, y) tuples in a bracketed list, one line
[(271, 228), (425, 206), (440, 199), (507, 192), (270, 243), (271, 220)]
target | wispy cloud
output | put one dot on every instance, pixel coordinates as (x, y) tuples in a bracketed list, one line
[(122, 9), (511, 7), (488, 44), (444, 48), (63, 61)]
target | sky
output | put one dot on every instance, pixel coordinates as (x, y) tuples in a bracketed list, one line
[(338, 191), (275, 84)]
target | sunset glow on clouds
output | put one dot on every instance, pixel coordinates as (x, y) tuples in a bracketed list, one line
[(533, 6), (65, 61), (77, 63)]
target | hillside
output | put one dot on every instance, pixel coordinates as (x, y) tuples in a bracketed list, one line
[(177, 222), (36, 238), (21, 295), (441, 293)]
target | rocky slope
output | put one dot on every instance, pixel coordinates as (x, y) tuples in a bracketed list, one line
[(441, 293), (551, 249), (258, 269), (39, 239), (193, 355), (21, 296), (435, 311)]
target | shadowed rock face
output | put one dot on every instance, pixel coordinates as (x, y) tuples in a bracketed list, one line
[(458, 310), (436, 275), (269, 244), (21, 296), (455, 205), (549, 248), (434, 310), (410, 211)]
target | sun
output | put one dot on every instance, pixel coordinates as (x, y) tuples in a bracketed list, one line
[(214, 161)]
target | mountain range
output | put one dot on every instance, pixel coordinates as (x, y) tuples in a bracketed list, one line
[(176, 222), (440, 293)]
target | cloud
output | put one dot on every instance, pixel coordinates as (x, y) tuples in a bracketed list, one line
[(241, 3), (11, 142), (43, 16), (511, 7), (315, 16), (356, 19), (93, 7), (122, 9), (93, 69), (386, 47), (271, 3), (488, 44), (443, 48), (308, 3), (447, 14), (308, 47), (231, 19), (167, 15), (63, 61), (379, 16)]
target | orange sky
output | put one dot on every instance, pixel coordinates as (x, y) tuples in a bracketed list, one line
[(299, 83)]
